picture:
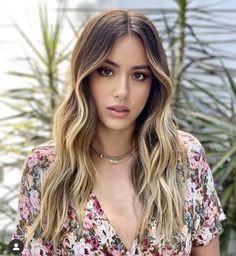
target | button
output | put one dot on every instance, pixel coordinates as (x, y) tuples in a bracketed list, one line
[(15, 246)]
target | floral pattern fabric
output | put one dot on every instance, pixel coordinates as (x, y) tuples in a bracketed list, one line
[(202, 217)]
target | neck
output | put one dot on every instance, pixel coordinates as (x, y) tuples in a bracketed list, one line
[(114, 143)]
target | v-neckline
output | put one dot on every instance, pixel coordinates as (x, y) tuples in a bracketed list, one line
[(134, 243)]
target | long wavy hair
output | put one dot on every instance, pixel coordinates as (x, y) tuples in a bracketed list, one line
[(154, 173)]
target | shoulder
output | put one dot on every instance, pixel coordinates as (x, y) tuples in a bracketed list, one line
[(42, 154), (192, 145), (203, 211), (40, 159), (196, 159), (35, 166), (188, 139), (47, 147)]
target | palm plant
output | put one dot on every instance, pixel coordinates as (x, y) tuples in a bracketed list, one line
[(199, 78), (222, 148), (33, 105), (200, 74), (203, 88)]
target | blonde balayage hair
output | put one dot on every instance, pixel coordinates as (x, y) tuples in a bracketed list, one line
[(155, 178)]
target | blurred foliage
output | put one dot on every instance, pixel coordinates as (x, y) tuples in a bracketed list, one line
[(204, 90), (34, 104), (3, 248)]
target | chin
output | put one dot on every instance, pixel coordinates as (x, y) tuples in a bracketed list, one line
[(119, 125)]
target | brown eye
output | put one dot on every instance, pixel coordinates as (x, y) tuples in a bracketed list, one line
[(104, 71), (140, 76)]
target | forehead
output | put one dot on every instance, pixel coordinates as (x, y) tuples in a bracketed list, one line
[(129, 49)]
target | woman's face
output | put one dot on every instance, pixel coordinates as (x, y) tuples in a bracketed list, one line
[(121, 85)]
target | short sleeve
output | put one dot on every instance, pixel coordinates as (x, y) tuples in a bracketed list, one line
[(208, 212), (29, 201)]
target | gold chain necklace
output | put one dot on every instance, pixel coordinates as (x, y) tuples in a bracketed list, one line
[(113, 160)]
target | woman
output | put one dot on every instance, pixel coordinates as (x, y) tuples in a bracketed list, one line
[(118, 177)]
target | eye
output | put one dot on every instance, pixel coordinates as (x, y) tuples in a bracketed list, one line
[(104, 71), (140, 76)]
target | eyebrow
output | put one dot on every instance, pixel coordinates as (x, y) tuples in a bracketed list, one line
[(132, 68)]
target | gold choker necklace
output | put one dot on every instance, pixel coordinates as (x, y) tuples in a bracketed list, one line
[(113, 160)]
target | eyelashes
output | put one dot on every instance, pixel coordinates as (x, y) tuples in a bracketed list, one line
[(101, 69), (105, 71)]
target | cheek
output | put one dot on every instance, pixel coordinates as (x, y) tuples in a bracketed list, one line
[(94, 94), (95, 91), (143, 95), (93, 85), (99, 89)]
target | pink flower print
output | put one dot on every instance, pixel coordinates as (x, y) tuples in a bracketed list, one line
[(197, 157), (25, 207), (194, 161), (114, 251), (38, 249), (196, 180), (65, 242), (88, 221), (32, 161), (30, 181), (204, 236), (42, 162), (34, 198), (50, 247), (167, 251), (43, 158), (81, 248), (70, 213), (51, 158), (93, 241), (68, 238), (146, 243), (211, 216), (97, 207), (205, 166), (27, 252)]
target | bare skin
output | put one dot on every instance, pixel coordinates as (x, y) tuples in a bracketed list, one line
[(127, 86), (117, 203), (122, 83), (211, 249)]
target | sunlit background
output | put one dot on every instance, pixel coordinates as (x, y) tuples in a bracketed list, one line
[(14, 49)]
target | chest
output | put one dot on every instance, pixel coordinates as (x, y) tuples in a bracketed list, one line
[(122, 209), (115, 236)]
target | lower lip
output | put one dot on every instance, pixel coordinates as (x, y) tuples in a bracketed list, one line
[(118, 114)]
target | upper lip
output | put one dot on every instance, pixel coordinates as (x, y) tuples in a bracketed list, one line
[(118, 107)]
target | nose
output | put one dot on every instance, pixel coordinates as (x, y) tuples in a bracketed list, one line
[(121, 88)]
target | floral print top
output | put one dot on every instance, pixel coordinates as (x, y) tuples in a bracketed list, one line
[(202, 218)]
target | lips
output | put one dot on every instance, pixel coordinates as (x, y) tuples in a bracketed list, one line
[(119, 108)]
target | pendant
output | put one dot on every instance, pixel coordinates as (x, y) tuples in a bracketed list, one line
[(113, 161)]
